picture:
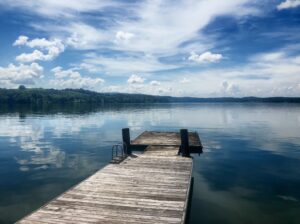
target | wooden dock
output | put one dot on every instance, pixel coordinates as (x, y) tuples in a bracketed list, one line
[(150, 187)]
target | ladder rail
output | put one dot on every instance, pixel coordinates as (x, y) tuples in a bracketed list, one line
[(118, 150)]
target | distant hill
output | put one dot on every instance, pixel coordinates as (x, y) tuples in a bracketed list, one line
[(52, 96)]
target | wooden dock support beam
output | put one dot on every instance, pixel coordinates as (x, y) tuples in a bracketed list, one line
[(185, 149), (126, 140)]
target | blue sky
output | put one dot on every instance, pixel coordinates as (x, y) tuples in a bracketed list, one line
[(203, 48)]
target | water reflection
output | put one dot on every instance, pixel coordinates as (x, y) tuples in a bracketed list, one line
[(249, 171)]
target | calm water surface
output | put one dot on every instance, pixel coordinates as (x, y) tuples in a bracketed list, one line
[(249, 171)]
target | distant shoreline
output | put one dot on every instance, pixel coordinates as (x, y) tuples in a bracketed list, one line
[(39, 96)]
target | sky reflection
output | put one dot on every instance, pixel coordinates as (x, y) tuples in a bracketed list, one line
[(249, 171)]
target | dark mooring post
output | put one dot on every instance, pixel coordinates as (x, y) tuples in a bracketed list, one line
[(126, 140), (185, 149)]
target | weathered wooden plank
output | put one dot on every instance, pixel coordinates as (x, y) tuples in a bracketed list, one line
[(134, 194), (152, 187), (165, 139), (155, 214), (146, 203)]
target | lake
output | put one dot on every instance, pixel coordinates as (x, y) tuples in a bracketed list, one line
[(249, 171)]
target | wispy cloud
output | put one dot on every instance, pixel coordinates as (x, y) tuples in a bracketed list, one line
[(124, 64), (158, 28), (166, 44), (58, 8), (84, 36), (288, 4)]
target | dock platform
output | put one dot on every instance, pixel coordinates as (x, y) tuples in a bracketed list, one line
[(150, 187)]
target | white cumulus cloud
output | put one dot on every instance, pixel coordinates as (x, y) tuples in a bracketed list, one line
[(124, 37), (69, 73), (155, 83), (35, 55), (22, 40), (70, 78), (76, 83), (184, 80), (230, 89), (52, 48), (205, 57), (130, 29), (288, 4), (135, 79), (20, 74)]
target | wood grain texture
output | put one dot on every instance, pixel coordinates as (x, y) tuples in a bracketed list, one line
[(151, 187), (165, 138)]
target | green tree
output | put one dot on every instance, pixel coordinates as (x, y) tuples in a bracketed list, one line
[(22, 87)]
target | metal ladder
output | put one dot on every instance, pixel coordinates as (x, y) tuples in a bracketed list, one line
[(118, 153)]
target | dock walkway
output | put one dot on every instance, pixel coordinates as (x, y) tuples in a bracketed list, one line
[(151, 187)]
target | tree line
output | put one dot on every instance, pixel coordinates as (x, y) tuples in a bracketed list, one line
[(38, 96)]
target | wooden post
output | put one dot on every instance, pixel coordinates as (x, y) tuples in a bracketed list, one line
[(126, 140), (185, 149)]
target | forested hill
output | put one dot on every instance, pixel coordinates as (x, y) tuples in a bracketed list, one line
[(52, 96), (48, 96)]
